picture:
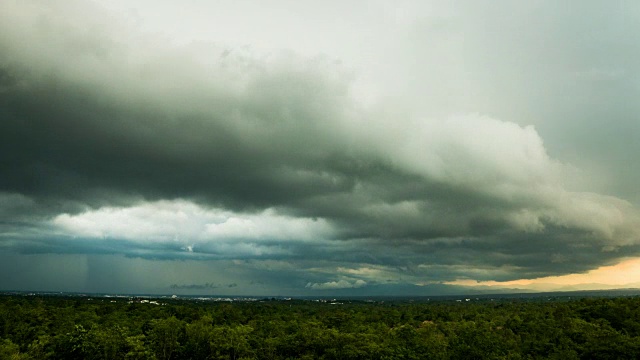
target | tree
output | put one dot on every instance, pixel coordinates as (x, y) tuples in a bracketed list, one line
[(231, 342), (198, 337), (10, 351), (164, 336)]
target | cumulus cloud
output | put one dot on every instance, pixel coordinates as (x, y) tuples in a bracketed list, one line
[(340, 284), (115, 140), (196, 230), (175, 220)]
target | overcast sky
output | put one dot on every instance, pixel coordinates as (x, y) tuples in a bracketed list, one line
[(299, 148)]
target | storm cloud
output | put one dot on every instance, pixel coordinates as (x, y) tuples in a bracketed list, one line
[(113, 140)]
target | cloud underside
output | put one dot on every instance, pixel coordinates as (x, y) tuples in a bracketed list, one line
[(128, 147)]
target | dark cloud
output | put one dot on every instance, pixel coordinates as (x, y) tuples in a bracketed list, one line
[(205, 286), (89, 120)]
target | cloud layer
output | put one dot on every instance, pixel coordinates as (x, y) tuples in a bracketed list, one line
[(113, 140)]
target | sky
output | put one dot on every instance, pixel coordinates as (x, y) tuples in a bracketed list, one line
[(308, 148)]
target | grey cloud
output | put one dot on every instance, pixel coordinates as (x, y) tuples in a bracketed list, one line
[(567, 69), (88, 120), (205, 286)]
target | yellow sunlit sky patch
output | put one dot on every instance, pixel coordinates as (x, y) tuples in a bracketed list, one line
[(623, 274)]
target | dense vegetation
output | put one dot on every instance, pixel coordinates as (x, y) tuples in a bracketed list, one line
[(33, 327)]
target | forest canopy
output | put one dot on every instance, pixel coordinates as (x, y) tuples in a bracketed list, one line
[(56, 327)]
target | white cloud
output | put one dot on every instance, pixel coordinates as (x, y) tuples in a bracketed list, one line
[(340, 284), (191, 226), (469, 150), (505, 162)]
